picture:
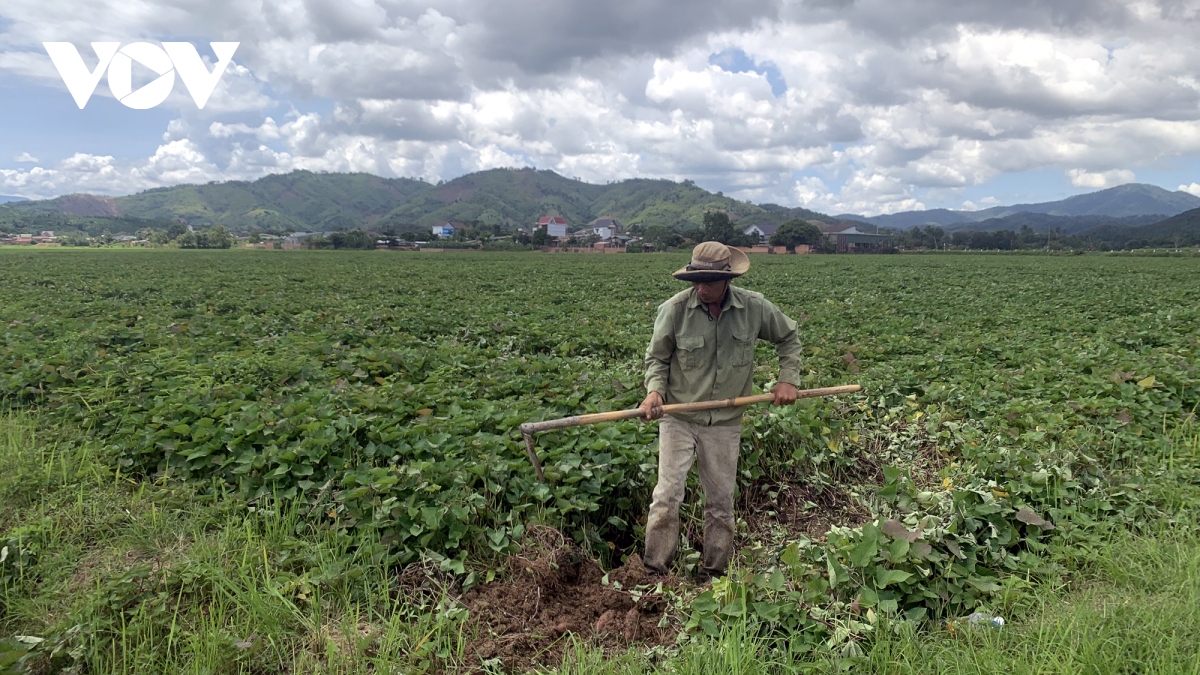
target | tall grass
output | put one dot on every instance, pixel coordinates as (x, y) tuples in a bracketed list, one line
[(136, 577), (1141, 615)]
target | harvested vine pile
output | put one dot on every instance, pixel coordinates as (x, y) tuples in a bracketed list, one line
[(530, 618), (797, 509)]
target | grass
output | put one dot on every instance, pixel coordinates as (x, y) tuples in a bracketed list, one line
[(1140, 613), (1132, 604), (133, 577)]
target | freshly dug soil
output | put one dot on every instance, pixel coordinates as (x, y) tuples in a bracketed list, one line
[(527, 619), (834, 506)]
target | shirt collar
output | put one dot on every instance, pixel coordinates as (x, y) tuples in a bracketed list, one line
[(732, 299)]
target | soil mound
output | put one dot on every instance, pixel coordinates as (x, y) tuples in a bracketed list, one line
[(528, 619)]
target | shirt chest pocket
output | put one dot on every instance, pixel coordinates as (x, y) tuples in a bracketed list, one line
[(690, 349), (743, 349)]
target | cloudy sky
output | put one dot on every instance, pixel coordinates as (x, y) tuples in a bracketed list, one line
[(864, 106)]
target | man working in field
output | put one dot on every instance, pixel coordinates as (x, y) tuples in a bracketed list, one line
[(702, 349)]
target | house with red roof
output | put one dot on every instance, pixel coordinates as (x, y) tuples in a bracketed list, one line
[(556, 226)]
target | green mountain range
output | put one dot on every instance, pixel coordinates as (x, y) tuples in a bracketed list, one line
[(519, 197), (1123, 201), (1044, 222), (301, 200), (509, 198), (1179, 230), (307, 201)]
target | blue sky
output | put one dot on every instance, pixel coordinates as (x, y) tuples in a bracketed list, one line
[(734, 60), (867, 107), (44, 122)]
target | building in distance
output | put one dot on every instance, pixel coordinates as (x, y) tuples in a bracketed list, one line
[(556, 226), (445, 228), (762, 232), (607, 228)]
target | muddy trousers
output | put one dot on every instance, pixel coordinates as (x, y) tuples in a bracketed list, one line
[(716, 449)]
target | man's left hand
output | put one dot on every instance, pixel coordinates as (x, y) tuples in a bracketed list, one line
[(785, 394)]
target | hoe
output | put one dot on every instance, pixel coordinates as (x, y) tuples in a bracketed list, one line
[(530, 428)]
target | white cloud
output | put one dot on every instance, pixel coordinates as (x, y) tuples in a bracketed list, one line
[(1103, 179), (175, 162), (267, 131), (889, 103), (79, 172), (1194, 189), (25, 158), (812, 192), (986, 202), (172, 163)]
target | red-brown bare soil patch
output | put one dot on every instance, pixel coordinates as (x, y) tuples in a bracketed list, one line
[(528, 619)]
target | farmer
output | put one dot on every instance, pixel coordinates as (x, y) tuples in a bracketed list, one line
[(702, 349)]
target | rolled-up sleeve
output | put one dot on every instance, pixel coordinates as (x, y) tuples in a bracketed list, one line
[(658, 354), (783, 332)]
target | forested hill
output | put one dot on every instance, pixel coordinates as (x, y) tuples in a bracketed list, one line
[(520, 197), (1042, 223), (1124, 201), (1180, 230), (308, 201), (303, 200)]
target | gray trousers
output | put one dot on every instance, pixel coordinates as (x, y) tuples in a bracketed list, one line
[(716, 448)]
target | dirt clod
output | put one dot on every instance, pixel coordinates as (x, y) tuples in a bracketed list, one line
[(526, 619)]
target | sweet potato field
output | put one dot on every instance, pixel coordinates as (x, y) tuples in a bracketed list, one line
[(1013, 407)]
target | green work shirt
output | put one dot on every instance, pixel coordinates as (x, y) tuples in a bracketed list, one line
[(693, 357)]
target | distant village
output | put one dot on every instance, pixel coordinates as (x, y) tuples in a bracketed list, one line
[(549, 233), (46, 238), (608, 235)]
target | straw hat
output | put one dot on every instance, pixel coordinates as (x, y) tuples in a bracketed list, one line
[(714, 261)]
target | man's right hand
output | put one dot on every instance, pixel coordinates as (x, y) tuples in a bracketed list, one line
[(651, 406)]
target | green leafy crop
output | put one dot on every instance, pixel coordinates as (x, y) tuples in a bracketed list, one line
[(383, 391)]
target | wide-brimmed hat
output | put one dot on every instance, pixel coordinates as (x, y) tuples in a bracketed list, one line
[(714, 261)]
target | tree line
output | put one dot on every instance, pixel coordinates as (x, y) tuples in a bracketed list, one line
[(1026, 238), (715, 226)]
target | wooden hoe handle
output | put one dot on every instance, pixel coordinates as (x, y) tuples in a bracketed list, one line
[(528, 429)]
